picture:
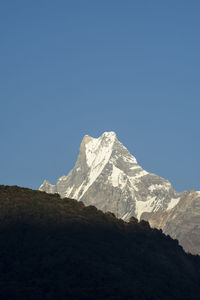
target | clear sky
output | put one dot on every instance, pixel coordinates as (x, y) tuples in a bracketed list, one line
[(70, 68)]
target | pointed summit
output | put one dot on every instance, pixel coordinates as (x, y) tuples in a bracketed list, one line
[(108, 176), (107, 137), (85, 140)]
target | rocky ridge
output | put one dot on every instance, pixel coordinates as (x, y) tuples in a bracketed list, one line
[(182, 222), (108, 176)]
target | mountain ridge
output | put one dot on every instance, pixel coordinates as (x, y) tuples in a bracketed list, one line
[(106, 168), (53, 248), (181, 222)]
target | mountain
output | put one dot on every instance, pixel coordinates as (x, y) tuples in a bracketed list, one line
[(182, 222), (108, 176), (53, 248)]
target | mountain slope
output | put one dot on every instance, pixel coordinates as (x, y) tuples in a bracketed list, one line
[(54, 248), (108, 176), (181, 222)]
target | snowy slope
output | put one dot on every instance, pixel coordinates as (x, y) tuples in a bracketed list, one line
[(182, 222), (108, 176)]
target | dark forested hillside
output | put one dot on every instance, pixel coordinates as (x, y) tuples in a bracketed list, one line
[(52, 248)]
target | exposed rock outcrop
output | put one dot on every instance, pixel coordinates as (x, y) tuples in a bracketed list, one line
[(108, 176), (182, 222)]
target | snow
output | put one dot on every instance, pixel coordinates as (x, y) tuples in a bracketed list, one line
[(91, 148), (100, 160), (154, 187), (75, 195), (93, 155), (125, 216), (109, 134), (47, 184), (68, 191), (140, 174), (136, 178), (144, 206), (173, 203), (63, 178), (118, 178), (150, 205), (98, 152), (135, 167), (130, 159), (135, 188)]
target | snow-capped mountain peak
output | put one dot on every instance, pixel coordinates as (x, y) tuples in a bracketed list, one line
[(108, 176), (98, 151)]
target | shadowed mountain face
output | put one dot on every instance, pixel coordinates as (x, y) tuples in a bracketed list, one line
[(181, 222), (53, 248), (108, 176)]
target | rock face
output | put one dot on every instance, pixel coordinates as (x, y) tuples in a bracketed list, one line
[(108, 176), (182, 222)]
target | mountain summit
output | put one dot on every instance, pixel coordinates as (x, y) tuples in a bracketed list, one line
[(108, 176)]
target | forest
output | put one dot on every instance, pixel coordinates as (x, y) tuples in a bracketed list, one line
[(53, 248)]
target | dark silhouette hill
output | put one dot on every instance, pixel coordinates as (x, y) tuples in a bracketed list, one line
[(53, 248)]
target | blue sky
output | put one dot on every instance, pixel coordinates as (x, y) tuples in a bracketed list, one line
[(70, 68)]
